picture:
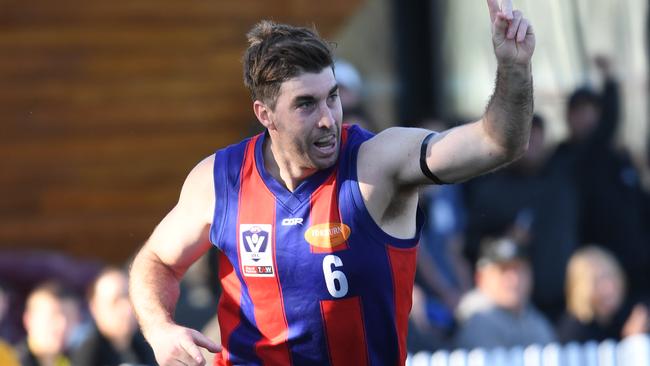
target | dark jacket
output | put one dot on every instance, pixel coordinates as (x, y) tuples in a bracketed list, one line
[(27, 358), (96, 350)]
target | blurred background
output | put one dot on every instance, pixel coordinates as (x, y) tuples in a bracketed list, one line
[(106, 106)]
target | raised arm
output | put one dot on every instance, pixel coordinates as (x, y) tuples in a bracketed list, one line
[(179, 240), (500, 136), (610, 103)]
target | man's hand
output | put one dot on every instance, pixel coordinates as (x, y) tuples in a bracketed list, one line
[(175, 345), (512, 34)]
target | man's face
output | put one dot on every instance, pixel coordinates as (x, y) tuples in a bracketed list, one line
[(507, 284), (307, 119)]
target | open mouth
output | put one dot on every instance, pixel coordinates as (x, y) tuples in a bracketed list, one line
[(326, 144)]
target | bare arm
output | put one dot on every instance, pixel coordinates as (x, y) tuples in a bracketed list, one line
[(389, 164), (179, 240), (500, 136)]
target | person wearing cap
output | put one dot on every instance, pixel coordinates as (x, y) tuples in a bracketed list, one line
[(498, 312), (351, 95)]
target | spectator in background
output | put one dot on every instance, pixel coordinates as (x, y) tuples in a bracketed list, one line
[(498, 313), (443, 274), (442, 268), (607, 181), (351, 95), (116, 340), (4, 311), (47, 327), (541, 210), (595, 291), (79, 324), (198, 300), (25, 270), (8, 355)]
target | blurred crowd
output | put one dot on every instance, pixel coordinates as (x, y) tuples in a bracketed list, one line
[(62, 326), (554, 248)]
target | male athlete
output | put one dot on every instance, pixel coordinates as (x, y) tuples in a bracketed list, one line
[(317, 223)]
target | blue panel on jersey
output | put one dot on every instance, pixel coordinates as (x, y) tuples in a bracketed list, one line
[(301, 278), (223, 234), (227, 167)]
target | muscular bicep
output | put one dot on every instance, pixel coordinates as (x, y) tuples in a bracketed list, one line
[(452, 156), (183, 235)]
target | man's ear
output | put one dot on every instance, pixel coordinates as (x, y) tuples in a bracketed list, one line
[(264, 114)]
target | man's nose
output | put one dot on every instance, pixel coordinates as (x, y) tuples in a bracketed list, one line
[(326, 117)]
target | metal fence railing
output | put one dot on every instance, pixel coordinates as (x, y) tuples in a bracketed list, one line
[(632, 351)]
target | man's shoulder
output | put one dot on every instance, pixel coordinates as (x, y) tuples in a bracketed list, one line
[(204, 167), (234, 153), (356, 135), (239, 144), (352, 137)]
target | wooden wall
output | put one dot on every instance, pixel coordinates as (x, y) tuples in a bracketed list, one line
[(105, 106)]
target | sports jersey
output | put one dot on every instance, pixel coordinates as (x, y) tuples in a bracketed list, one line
[(308, 277)]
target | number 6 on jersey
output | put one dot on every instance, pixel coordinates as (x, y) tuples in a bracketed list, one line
[(334, 277)]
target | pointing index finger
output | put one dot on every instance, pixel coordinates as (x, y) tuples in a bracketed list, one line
[(205, 342), (506, 8)]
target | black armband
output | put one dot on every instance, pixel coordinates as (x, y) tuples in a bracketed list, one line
[(423, 160)]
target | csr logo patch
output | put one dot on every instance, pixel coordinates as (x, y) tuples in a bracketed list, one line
[(292, 221)]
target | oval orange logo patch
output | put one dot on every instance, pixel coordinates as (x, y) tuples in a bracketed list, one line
[(328, 235)]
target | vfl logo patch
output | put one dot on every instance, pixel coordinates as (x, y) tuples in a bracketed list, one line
[(255, 250)]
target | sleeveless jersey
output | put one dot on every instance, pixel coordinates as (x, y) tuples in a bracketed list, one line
[(308, 277)]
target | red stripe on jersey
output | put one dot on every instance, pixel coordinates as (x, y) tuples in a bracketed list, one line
[(346, 338), (228, 309), (325, 217), (402, 263), (257, 206), (326, 233), (344, 134)]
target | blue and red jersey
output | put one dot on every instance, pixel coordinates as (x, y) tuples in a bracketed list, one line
[(308, 277)]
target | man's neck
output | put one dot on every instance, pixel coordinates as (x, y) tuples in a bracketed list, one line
[(279, 165)]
